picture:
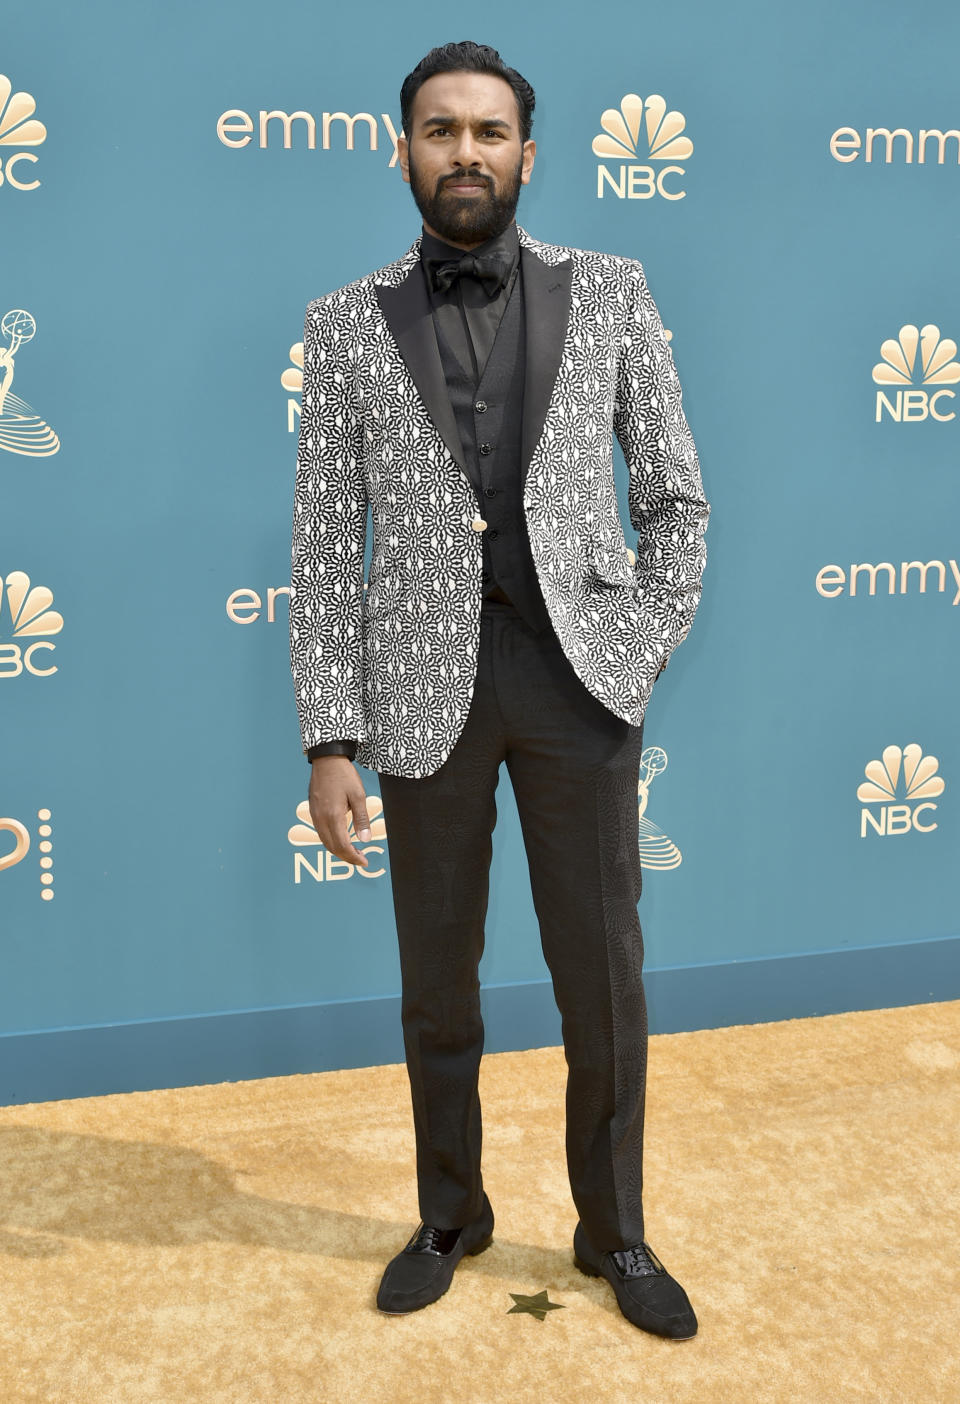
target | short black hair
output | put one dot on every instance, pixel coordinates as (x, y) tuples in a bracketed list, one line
[(467, 57)]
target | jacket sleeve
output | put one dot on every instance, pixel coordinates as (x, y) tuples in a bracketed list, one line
[(340, 747), (329, 534), (667, 507)]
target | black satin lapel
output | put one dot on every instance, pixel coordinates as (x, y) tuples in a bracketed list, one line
[(409, 316), (546, 305)]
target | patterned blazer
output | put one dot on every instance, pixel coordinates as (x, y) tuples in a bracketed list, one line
[(392, 662)]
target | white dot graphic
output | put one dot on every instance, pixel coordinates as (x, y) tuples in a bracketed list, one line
[(46, 847)]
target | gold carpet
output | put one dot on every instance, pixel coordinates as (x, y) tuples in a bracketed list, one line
[(223, 1244)]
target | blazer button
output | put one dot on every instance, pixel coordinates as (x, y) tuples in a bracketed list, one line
[(485, 449), (481, 407), (493, 533), (489, 492)]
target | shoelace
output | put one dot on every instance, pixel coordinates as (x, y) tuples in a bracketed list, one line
[(637, 1261), (428, 1238)]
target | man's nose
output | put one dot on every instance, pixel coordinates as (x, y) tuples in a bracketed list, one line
[(467, 152)]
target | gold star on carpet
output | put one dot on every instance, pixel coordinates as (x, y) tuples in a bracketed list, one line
[(537, 1306)]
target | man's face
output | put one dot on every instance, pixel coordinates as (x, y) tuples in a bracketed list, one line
[(463, 158)]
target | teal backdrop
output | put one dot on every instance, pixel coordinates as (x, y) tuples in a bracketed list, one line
[(163, 921)]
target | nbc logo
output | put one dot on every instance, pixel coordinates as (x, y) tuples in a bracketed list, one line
[(21, 430), (25, 611), (15, 831), (292, 382), (18, 128), (327, 867), (908, 776), (637, 132), (901, 366), (656, 849)]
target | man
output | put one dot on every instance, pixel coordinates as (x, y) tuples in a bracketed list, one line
[(468, 393)]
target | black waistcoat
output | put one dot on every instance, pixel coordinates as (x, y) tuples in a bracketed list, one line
[(489, 417)]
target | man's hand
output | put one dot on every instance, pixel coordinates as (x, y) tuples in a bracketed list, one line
[(336, 790)]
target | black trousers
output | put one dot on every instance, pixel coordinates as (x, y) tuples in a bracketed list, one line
[(574, 767)]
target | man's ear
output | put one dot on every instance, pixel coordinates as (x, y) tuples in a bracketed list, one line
[(529, 152), (403, 156)]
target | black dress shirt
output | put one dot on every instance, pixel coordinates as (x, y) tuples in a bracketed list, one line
[(469, 316)]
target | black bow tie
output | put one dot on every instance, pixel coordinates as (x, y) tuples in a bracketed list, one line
[(492, 270)]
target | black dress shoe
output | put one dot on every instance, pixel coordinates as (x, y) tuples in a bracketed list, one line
[(648, 1296), (424, 1269)]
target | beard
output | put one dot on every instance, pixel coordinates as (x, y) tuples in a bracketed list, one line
[(466, 219)]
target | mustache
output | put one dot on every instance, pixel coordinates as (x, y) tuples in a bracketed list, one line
[(460, 176)]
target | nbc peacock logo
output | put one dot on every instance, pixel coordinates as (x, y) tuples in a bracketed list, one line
[(326, 866), (904, 784), (917, 366), (292, 382), (18, 128), (637, 133), (21, 428), (26, 617)]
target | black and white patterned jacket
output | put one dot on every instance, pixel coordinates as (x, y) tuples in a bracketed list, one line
[(393, 664)]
